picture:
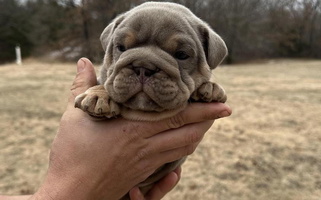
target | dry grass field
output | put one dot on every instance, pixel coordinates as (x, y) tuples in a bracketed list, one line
[(269, 149)]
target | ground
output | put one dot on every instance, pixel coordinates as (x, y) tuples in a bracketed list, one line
[(270, 148)]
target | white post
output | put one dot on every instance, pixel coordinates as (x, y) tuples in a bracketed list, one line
[(18, 55)]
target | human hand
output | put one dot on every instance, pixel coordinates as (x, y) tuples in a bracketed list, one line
[(160, 189), (104, 159)]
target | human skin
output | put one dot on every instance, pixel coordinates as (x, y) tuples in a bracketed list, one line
[(92, 159)]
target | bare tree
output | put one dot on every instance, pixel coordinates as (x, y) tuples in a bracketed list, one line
[(250, 28)]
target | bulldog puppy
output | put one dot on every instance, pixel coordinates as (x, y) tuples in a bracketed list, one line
[(158, 58)]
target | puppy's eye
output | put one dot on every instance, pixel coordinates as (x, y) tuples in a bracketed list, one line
[(121, 48), (181, 55)]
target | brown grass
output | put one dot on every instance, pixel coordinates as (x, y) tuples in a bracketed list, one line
[(270, 148)]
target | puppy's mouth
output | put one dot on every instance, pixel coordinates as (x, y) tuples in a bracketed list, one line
[(141, 101), (147, 89), (143, 74)]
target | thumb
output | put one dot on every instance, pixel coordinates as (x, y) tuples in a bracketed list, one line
[(85, 78)]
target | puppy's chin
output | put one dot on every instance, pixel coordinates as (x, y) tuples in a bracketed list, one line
[(139, 115), (143, 102), (142, 108)]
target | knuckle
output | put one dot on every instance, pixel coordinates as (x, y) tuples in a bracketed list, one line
[(193, 136), (77, 84), (176, 121), (142, 154), (77, 88), (144, 168)]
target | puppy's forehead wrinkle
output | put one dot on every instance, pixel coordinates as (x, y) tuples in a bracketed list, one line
[(152, 22), (125, 36), (181, 42), (168, 41), (148, 55)]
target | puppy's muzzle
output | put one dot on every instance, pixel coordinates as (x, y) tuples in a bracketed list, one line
[(144, 73)]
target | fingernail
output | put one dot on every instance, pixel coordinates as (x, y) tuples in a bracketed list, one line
[(223, 114), (81, 65)]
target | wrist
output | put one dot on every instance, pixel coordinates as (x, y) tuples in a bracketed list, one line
[(61, 189), (73, 187)]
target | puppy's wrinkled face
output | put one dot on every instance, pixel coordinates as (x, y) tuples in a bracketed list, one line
[(155, 59)]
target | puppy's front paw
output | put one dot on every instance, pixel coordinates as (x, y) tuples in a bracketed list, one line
[(96, 102), (210, 92)]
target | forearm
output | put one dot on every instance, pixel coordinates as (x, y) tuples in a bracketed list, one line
[(63, 188), (22, 197)]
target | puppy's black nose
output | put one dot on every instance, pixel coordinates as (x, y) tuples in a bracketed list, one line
[(144, 72)]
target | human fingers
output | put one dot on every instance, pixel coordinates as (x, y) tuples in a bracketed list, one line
[(157, 149), (173, 144), (195, 112), (85, 78), (176, 138), (181, 150), (136, 194), (160, 189), (165, 185), (169, 145)]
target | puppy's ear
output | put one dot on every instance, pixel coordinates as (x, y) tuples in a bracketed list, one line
[(214, 47), (106, 35)]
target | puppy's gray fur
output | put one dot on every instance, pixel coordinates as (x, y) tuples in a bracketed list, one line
[(159, 56)]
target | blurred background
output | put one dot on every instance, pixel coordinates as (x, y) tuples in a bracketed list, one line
[(269, 149), (252, 29)]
